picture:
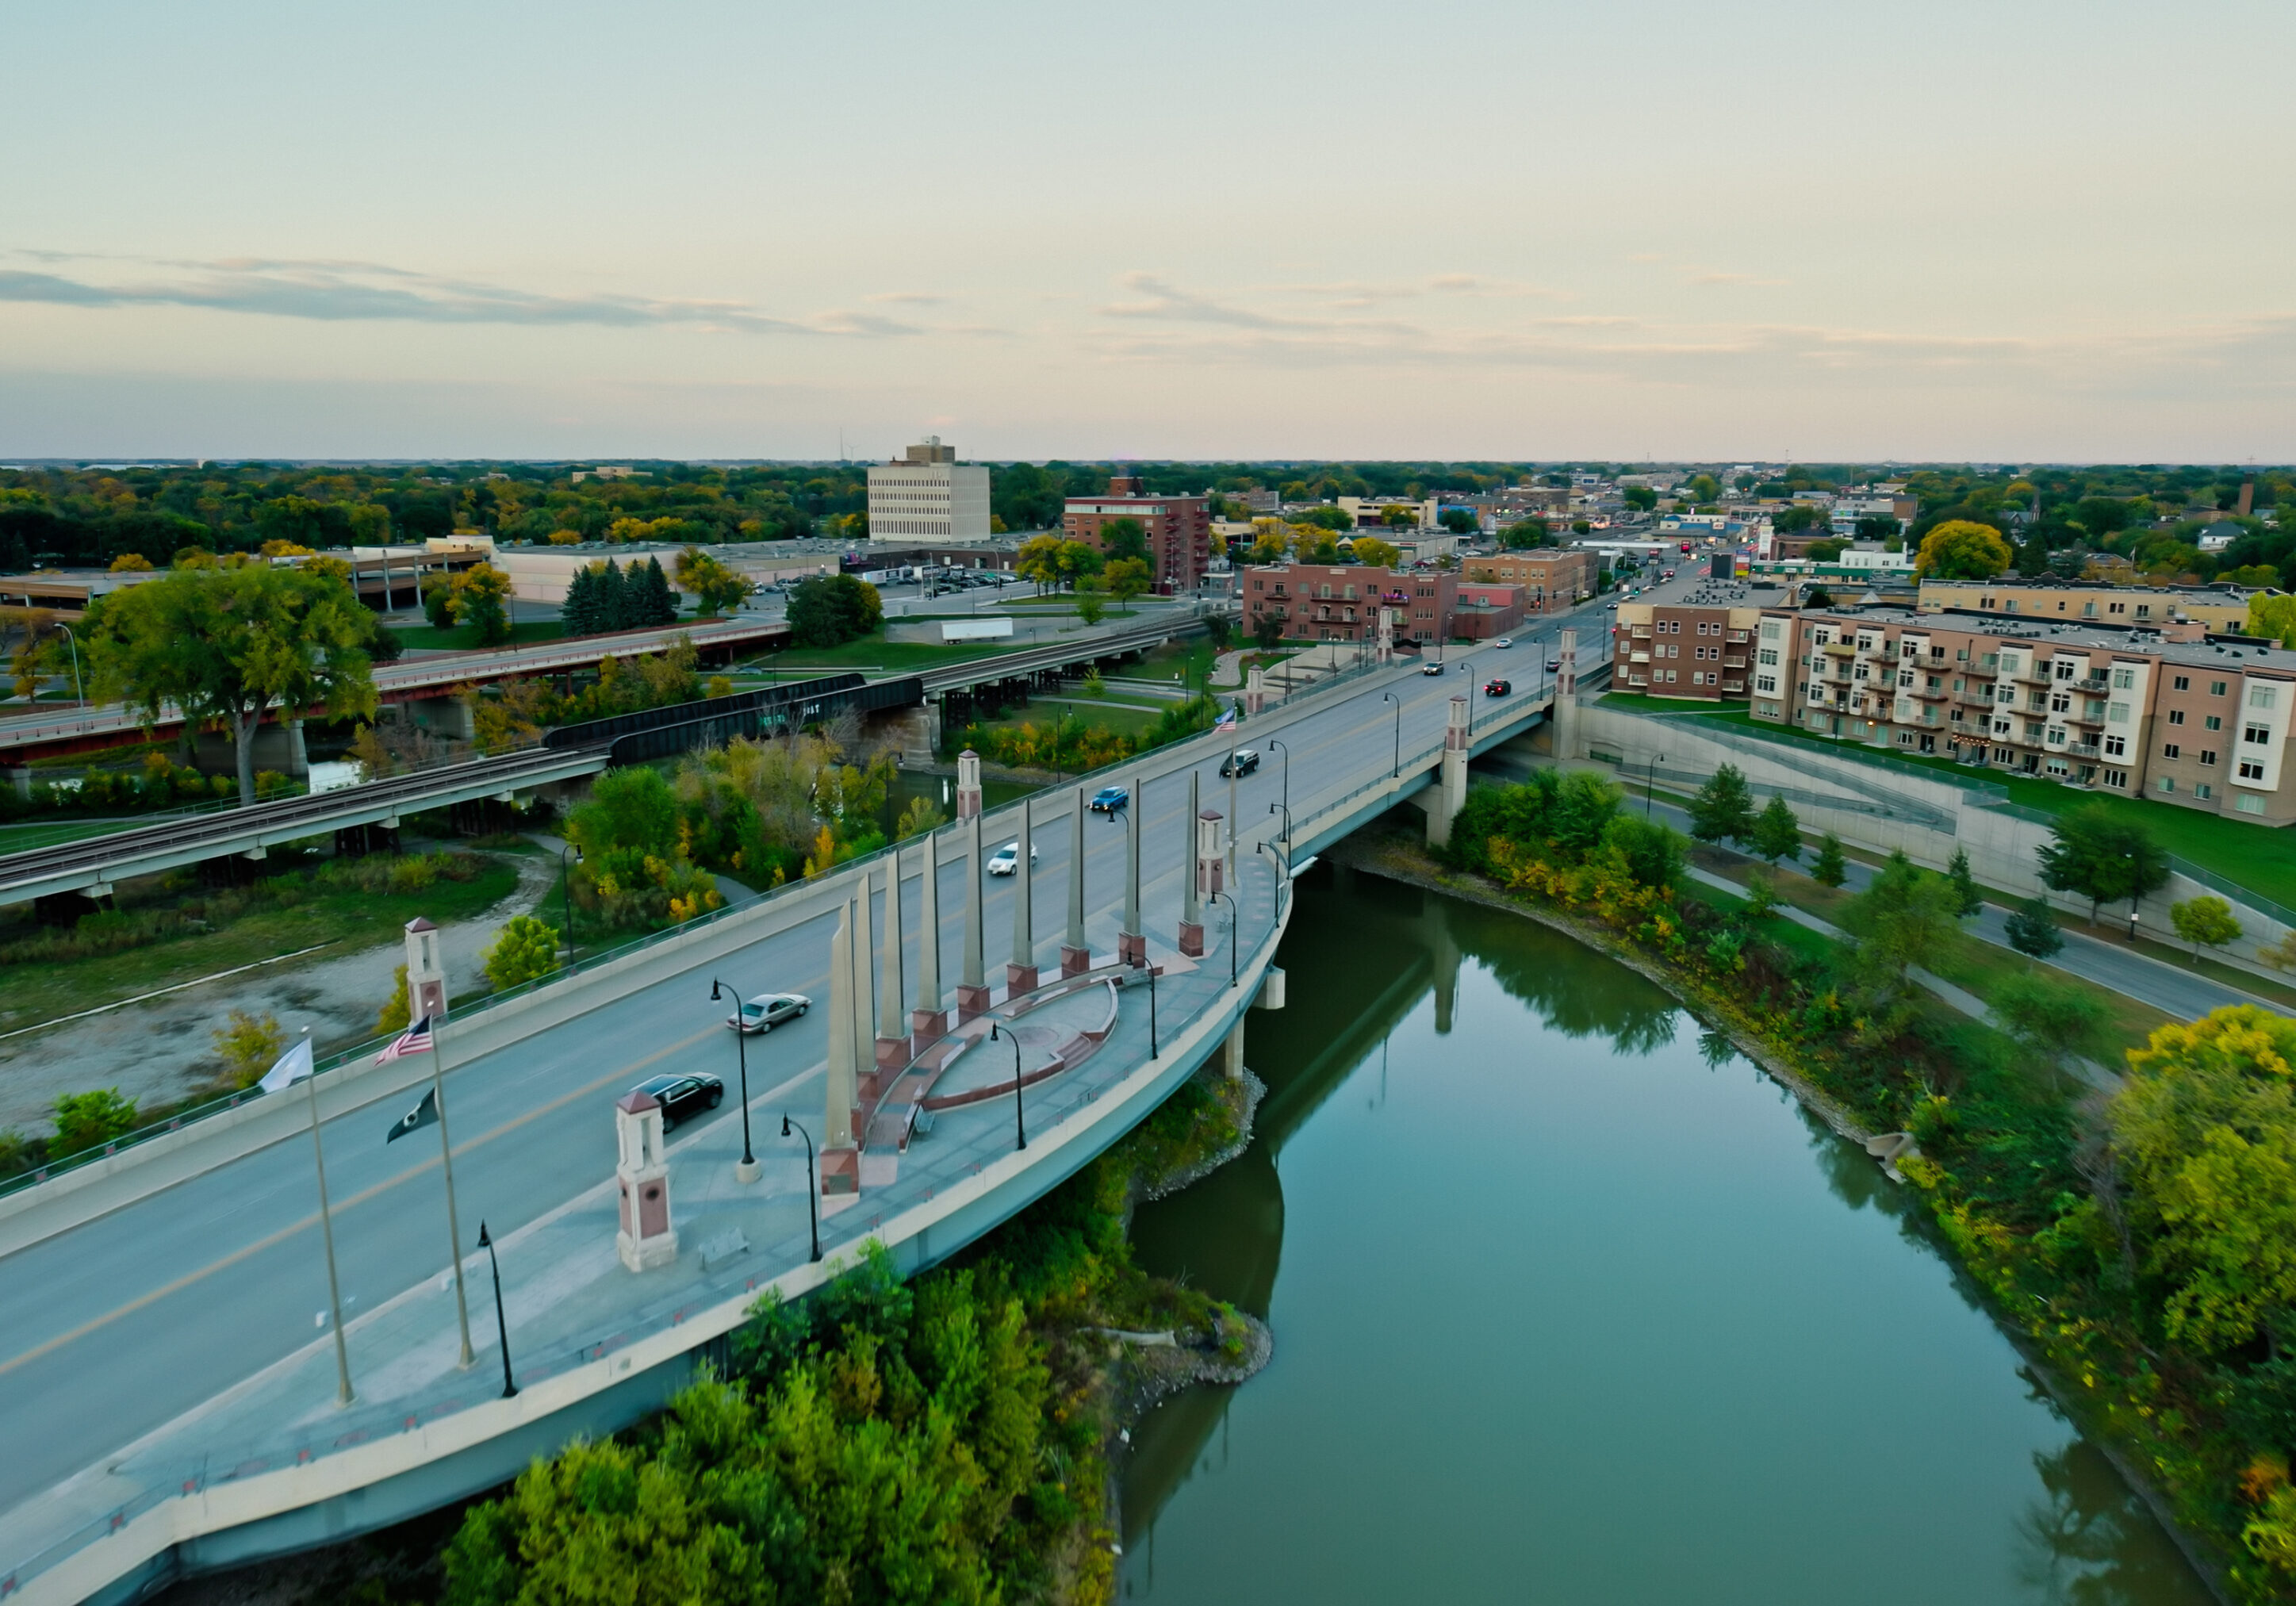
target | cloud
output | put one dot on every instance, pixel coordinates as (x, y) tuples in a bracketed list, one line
[(1716, 276), (335, 291), (908, 298)]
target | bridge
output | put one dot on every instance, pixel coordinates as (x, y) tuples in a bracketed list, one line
[(171, 1393)]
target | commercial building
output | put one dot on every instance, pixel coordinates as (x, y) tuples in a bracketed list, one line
[(1179, 529), (1550, 579), (1692, 638), (2222, 610), (2122, 708), (1369, 512), (1341, 601), (926, 495)]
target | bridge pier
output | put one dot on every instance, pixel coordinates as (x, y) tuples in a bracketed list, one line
[(1021, 974), (1131, 941), (968, 791), (1568, 743), (1192, 916), (841, 1157), (1450, 792), (1076, 955), (972, 983), (928, 1021), (892, 1038)]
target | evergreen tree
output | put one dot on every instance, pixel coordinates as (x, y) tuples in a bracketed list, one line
[(2033, 929), (579, 613), (613, 598), (652, 604), (2033, 556), (1828, 870), (1723, 809), (1777, 833), (1967, 899)]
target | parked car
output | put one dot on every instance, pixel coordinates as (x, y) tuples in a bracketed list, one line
[(682, 1098), (1108, 800), (1434, 666), (1498, 688), (766, 1011), (1006, 859), (1504, 641), (1241, 762)]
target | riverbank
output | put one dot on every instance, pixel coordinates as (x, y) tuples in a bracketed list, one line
[(1951, 1223)]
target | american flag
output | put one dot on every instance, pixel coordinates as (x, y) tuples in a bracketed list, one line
[(415, 1040), (1226, 719)]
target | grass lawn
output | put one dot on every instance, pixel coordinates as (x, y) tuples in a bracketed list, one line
[(22, 836), (349, 919), (871, 652), (1192, 656), (2260, 858), (1128, 719), (464, 638)]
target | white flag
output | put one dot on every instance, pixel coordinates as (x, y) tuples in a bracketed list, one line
[(293, 1066)]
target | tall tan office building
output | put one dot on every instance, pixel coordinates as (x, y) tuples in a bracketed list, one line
[(926, 495)]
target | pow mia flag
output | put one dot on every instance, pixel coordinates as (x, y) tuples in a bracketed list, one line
[(425, 1114)]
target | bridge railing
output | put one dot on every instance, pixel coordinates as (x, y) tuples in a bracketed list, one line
[(334, 1064)]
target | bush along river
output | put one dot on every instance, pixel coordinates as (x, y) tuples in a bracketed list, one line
[(1571, 1302)]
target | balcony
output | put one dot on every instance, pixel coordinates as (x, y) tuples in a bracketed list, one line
[(1738, 662)]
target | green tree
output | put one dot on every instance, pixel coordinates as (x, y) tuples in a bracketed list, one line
[(1705, 487), (2273, 618), (830, 610), (481, 600), (2204, 922), (2032, 929), (1642, 498), (1077, 562), (2206, 1132), (1267, 630), (1039, 560), (89, 1120), (1125, 578), (1961, 549), (1376, 553), (1650, 851), (1827, 869), (249, 1046), (2054, 1020), (1459, 520), (1724, 808), (2097, 855), (397, 1013), (713, 586), (1524, 533), (224, 643), (1219, 631), (581, 612), (1777, 833), (1091, 606), (1903, 918), (651, 602), (439, 601), (1966, 898), (523, 950), (1125, 538)]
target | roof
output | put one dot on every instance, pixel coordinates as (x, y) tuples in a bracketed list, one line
[(637, 1102), (2240, 652)]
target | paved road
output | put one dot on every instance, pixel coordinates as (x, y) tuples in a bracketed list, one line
[(179, 1297)]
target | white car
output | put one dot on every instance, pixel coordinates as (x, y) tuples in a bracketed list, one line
[(1006, 859), (1504, 641), (766, 1011)]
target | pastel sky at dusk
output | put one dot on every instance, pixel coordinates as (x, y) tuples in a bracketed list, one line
[(2001, 231)]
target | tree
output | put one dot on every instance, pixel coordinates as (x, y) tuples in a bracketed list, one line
[(1090, 607), (523, 950), (2206, 920), (131, 562), (1524, 533), (1039, 560), (2032, 928), (830, 610), (481, 600), (1776, 832), (439, 601), (1125, 578), (1125, 538), (1967, 899), (1376, 553), (613, 598), (1642, 498), (713, 586), (1219, 631), (579, 614), (1792, 520), (1961, 549), (87, 1121), (1459, 520), (225, 643), (1827, 869), (1396, 515), (1723, 809), (2274, 617), (1903, 919), (2053, 1018), (1649, 851), (2096, 854), (2206, 1130), (249, 1045), (651, 602), (1267, 630), (1077, 562)]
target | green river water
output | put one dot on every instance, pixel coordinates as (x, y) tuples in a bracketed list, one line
[(1571, 1304)]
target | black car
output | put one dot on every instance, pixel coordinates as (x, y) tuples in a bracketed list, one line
[(1241, 762), (682, 1098), (1498, 688)]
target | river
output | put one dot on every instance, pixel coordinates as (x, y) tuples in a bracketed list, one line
[(1573, 1304)]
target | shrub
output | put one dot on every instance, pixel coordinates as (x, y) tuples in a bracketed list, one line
[(523, 950), (249, 1046), (399, 1012), (89, 1120)]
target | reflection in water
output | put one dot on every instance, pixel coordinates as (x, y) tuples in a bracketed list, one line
[(1571, 1310)]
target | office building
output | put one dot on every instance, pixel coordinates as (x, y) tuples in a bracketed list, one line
[(926, 495)]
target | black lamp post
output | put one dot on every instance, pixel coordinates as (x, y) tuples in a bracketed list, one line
[(502, 1323), (812, 1204), (1019, 1133), (749, 1167), (566, 884), (1391, 697), (1650, 781), (1287, 784), (1233, 928)]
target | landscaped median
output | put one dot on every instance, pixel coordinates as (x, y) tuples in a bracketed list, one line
[(2134, 1245)]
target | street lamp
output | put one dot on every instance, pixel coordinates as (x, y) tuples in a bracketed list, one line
[(566, 881), (1276, 742), (1233, 928), (1019, 1133), (812, 1204), (748, 1171), (502, 1323), (1650, 781), (1391, 697), (79, 691)]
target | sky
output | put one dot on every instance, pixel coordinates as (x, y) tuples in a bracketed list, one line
[(2020, 231)]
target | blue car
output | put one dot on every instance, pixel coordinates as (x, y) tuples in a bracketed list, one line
[(1108, 800)]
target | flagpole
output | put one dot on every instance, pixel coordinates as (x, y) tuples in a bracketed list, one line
[(327, 1232), (446, 1159)]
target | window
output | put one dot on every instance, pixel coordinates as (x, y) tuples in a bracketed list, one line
[(2203, 792), (2250, 804), (2207, 754), (2116, 777), (2216, 688), (2252, 769), (2259, 697), (2065, 666), (2119, 713), (2260, 735), (1766, 682), (1767, 656), (2167, 784), (2184, 683), (2176, 715), (2169, 749), (2116, 746), (2124, 680)]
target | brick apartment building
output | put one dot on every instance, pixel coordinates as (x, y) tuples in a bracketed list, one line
[(1550, 579), (2203, 723), (1341, 602), (1691, 638), (1179, 529)]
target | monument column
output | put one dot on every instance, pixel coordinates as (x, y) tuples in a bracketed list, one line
[(1021, 974), (972, 983), (1132, 942), (1076, 954), (1192, 918), (927, 1019)]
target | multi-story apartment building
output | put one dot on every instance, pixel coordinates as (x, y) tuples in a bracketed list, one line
[(1550, 579), (2203, 723), (1341, 602), (1179, 529), (927, 495), (2220, 610), (1692, 638)]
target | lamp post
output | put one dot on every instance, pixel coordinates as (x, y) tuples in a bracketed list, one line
[(1650, 781), (79, 691), (566, 883), (1391, 697), (748, 1171), (812, 1202), (1232, 929), (1277, 743), (502, 1323), (1020, 1131)]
